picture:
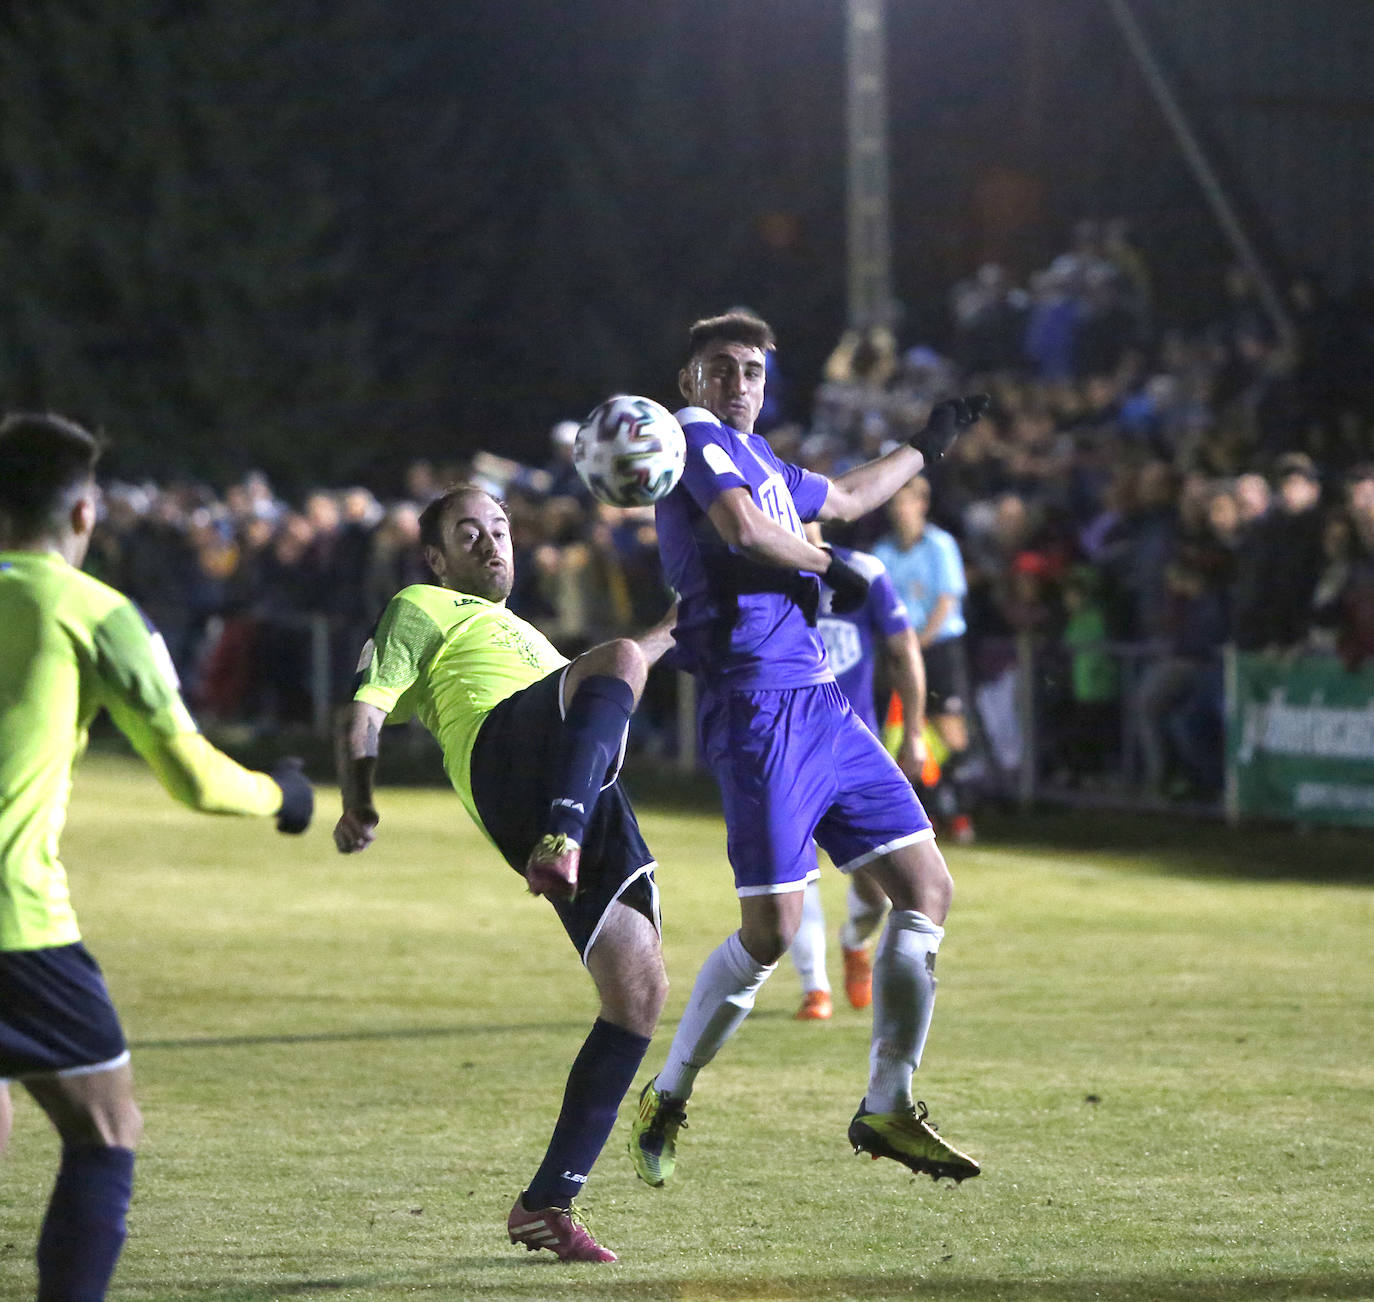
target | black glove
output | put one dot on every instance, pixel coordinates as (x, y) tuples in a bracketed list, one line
[(948, 419), (297, 795), (849, 585)]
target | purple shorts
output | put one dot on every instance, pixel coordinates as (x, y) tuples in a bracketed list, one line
[(798, 765)]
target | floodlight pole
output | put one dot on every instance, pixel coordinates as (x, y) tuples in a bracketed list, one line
[(1206, 175), (871, 301)]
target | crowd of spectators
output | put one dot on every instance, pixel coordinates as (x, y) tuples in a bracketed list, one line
[(1142, 495), (246, 588)]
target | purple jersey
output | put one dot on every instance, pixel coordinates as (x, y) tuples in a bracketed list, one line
[(850, 640), (741, 626)]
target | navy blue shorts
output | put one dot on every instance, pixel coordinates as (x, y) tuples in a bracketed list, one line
[(512, 764), (56, 1017), (946, 677), (798, 764)]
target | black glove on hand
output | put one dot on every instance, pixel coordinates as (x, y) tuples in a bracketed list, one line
[(849, 585), (297, 795), (948, 419)]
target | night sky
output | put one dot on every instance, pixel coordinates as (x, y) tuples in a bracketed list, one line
[(320, 237)]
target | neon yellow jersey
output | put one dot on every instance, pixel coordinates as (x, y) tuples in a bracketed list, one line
[(70, 645), (448, 659)]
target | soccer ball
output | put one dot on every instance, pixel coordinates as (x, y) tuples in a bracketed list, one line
[(630, 451)]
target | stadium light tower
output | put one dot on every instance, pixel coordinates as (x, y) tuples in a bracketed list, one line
[(871, 301)]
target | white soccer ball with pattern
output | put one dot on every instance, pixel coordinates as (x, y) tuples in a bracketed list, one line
[(630, 451)]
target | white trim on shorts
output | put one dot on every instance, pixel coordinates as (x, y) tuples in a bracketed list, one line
[(913, 838), (779, 888), (612, 774), (90, 1069), (639, 872)]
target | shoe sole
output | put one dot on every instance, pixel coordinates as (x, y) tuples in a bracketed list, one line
[(866, 1140)]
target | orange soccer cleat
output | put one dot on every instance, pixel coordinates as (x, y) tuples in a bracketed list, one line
[(816, 1007), (858, 977)]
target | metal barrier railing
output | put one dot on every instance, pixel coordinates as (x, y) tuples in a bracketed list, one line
[(1034, 740), (1154, 742)]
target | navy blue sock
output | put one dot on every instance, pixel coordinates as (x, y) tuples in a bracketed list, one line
[(597, 717), (83, 1231), (601, 1073)]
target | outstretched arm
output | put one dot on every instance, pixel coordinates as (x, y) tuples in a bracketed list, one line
[(357, 743), (865, 488), (142, 696)]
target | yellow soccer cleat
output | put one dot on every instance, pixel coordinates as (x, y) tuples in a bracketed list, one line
[(653, 1136), (907, 1137)]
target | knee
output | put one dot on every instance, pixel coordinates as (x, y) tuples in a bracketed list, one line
[(119, 1125), (939, 895), (650, 992), (627, 657), (764, 943), (129, 1129), (925, 886), (636, 1003)]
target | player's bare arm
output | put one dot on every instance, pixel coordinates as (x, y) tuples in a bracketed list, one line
[(358, 744), (939, 617), (906, 669), (657, 641), (865, 488), (740, 523)]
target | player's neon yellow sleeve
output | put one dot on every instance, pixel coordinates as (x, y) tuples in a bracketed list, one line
[(199, 775), (141, 694), (406, 639)]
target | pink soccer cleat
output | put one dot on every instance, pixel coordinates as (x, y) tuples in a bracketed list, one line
[(552, 866), (560, 1230)]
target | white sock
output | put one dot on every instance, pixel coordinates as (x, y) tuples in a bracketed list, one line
[(903, 1003), (862, 921), (721, 999), (808, 947)]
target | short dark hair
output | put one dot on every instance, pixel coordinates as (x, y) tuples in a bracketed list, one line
[(737, 326), (432, 517), (45, 461)]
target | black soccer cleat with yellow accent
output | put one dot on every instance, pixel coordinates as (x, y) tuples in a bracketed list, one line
[(907, 1137)]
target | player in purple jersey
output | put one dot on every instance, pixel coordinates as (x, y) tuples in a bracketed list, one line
[(880, 630), (793, 761)]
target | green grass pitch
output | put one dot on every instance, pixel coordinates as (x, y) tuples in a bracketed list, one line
[(1163, 1055)]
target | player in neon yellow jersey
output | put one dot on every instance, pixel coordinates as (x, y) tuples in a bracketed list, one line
[(71, 646), (533, 744)]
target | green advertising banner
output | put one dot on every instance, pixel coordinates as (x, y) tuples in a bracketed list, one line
[(1300, 740)]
